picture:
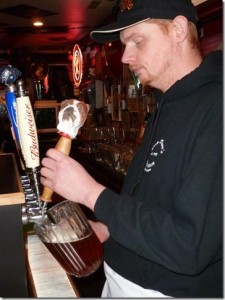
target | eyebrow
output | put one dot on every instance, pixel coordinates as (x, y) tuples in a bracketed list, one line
[(130, 36)]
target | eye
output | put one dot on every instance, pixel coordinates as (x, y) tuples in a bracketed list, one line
[(138, 41)]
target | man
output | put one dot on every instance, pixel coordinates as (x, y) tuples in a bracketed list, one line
[(163, 234), (37, 83)]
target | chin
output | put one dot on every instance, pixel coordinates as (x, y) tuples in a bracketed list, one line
[(144, 81)]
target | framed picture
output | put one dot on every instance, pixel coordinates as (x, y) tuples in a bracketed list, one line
[(46, 115)]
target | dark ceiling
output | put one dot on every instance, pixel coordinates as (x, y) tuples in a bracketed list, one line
[(66, 22)]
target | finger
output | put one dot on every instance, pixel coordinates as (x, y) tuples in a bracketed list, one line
[(46, 182), (55, 154), (46, 172), (48, 163)]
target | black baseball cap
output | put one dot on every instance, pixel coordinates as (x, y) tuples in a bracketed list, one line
[(133, 12)]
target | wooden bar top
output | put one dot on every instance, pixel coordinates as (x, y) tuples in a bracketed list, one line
[(47, 278)]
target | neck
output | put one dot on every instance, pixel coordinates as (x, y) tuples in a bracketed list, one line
[(182, 65)]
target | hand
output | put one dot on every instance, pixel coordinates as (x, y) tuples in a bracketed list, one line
[(69, 179), (100, 229)]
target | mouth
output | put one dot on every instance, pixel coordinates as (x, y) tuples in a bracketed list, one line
[(136, 71)]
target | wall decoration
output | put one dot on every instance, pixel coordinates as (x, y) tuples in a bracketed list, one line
[(77, 65)]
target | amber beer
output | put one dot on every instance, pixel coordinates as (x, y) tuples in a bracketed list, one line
[(68, 235), (79, 258)]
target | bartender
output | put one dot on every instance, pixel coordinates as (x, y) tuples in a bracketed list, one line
[(38, 83)]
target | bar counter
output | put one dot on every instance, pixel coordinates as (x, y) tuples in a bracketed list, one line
[(13, 281)]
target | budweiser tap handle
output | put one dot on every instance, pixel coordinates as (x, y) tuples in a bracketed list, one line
[(64, 146), (28, 137)]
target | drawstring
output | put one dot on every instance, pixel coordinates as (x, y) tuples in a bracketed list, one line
[(151, 127)]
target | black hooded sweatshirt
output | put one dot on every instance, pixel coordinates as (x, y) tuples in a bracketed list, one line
[(166, 226)]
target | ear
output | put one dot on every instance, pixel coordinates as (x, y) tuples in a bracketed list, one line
[(180, 25)]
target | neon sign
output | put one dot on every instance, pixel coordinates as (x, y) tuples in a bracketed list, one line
[(77, 65)]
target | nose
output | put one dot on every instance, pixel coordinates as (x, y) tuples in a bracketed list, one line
[(123, 59), (127, 57)]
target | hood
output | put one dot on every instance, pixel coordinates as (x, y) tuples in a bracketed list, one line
[(210, 70)]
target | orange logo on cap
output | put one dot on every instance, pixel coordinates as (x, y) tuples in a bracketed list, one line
[(126, 4)]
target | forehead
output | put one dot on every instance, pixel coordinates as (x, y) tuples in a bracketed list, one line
[(141, 29)]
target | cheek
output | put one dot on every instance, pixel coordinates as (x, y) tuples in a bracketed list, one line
[(157, 55)]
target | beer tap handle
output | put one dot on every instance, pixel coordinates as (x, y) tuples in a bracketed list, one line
[(72, 115), (28, 137), (64, 146)]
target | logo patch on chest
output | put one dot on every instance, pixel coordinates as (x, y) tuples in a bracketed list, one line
[(157, 149)]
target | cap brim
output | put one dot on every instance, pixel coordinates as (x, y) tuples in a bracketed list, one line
[(111, 32)]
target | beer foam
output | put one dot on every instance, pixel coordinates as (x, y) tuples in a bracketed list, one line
[(57, 235)]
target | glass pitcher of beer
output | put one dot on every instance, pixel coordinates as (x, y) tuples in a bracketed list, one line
[(67, 234)]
